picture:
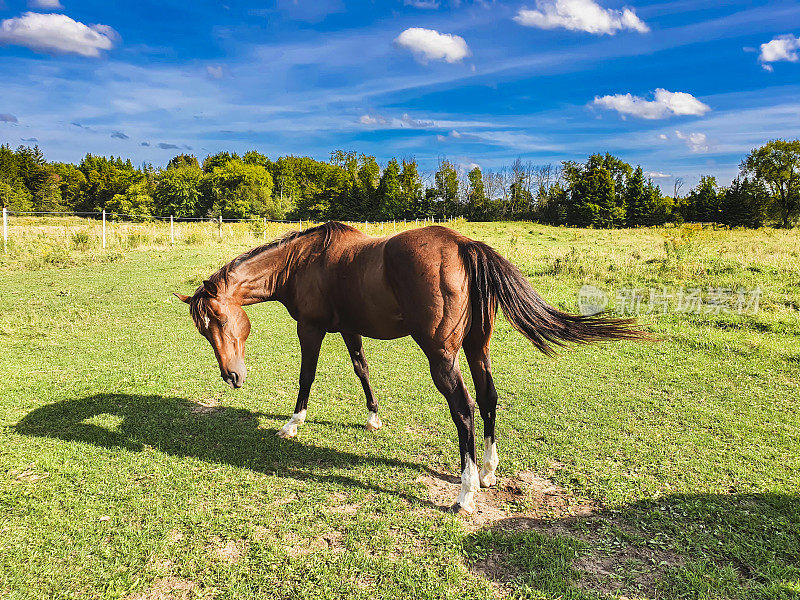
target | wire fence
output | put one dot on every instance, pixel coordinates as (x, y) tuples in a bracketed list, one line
[(126, 230)]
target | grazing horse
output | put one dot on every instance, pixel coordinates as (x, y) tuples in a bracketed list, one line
[(432, 283)]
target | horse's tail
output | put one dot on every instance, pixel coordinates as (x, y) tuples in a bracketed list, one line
[(495, 280)]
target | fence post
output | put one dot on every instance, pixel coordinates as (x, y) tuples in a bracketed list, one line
[(172, 229), (220, 227), (5, 229), (265, 228), (104, 228)]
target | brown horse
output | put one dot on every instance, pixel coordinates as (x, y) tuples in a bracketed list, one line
[(433, 284)]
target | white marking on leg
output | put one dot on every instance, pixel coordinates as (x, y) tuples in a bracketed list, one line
[(469, 485), (373, 422), (490, 462), (290, 429)]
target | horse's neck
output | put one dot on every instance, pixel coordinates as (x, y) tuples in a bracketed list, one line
[(261, 277)]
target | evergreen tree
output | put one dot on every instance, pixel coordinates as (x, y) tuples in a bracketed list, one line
[(412, 190), (744, 203), (477, 203), (446, 178), (390, 192)]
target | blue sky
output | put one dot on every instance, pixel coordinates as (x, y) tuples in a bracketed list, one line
[(681, 87)]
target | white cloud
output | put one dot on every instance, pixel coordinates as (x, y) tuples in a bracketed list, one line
[(664, 105), (57, 34), (580, 15), (408, 121), (658, 175), (783, 47), (663, 136), (696, 142), (428, 44), (374, 120), (49, 4), (405, 120), (8, 118), (215, 72), (424, 4)]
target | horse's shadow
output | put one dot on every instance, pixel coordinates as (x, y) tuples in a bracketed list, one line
[(220, 435)]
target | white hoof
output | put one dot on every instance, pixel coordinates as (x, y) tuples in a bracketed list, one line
[(463, 510), (465, 503), (373, 422), (487, 479), (490, 462), (287, 431), (290, 429)]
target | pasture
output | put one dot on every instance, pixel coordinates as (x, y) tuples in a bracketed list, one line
[(668, 469)]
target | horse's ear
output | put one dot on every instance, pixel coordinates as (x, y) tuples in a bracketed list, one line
[(210, 287), (181, 297)]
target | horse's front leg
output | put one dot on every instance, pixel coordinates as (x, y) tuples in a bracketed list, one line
[(310, 342), (447, 377), (356, 349)]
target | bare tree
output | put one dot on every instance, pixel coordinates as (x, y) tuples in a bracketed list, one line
[(493, 184), (677, 186)]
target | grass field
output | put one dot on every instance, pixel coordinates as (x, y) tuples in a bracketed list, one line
[(651, 470)]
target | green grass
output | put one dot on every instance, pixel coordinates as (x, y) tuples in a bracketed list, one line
[(131, 470)]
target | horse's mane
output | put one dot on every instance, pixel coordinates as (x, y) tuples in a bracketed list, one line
[(319, 237)]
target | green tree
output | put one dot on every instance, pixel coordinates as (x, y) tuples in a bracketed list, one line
[(105, 178), (592, 198), (390, 192), (183, 160), (477, 202), (367, 197), (643, 202), (241, 191), (412, 189), (217, 160), (745, 203), (776, 165), (177, 193), (15, 196), (446, 186), (71, 183), (135, 201), (255, 158), (702, 203)]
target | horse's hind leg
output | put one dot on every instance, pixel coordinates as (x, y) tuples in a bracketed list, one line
[(446, 375), (476, 349), (356, 349), (310, 343)]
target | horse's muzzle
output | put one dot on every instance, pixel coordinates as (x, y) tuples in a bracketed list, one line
[(235, 377)]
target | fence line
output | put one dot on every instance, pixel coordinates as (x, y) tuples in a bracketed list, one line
[(104, 217)]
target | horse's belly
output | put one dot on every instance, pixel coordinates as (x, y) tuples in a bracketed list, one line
[(376, 316)]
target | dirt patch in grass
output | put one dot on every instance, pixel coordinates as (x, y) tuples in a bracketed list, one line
[(496, 569), (331, 540), (167, 588), (229, 551), (30, 474), (526, 496), (205, 407), (631, 570), (530, 502)]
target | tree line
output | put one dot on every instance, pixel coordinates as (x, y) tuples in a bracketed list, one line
[(603, 192)]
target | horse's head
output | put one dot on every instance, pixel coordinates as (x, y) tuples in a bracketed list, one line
[(225, 325)]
